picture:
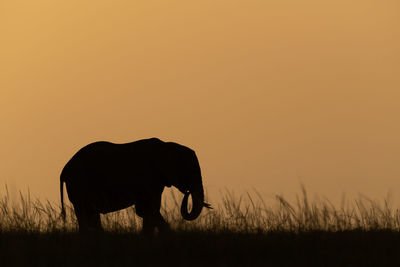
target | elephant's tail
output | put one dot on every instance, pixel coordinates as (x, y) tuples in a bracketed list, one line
[(62, 198)]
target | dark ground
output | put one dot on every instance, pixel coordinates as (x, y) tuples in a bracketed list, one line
[(352, 248)]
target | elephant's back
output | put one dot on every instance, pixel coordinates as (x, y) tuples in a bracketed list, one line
[(98, 147), (105, 148), (94, 154), (114, 153), (104, 161)]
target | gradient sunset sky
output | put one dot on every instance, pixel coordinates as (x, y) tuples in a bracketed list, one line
[(268, 93)]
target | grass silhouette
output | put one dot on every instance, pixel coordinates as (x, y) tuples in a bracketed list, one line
[(240, 231)]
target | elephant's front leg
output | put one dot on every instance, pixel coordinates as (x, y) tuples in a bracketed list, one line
[(150, 212), (148, 226), (153, 220), (162, 225)]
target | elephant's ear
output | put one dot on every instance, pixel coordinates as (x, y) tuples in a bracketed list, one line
[(167, 163)]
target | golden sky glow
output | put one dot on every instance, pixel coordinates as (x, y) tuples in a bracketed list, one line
[(269, 93)]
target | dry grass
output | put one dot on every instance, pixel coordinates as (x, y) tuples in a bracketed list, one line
[(244, 214), (240, 231)]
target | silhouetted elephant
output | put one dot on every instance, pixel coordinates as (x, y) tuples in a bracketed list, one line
[(103, 177)]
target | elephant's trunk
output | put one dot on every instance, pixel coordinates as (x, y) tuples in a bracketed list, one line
[(198, 204)]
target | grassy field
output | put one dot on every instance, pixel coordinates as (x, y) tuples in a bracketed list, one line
[(240, 231)]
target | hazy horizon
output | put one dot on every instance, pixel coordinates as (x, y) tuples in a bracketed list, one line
[(268, 93)]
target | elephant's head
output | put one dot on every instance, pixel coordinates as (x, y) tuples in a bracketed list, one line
[(183, 172)]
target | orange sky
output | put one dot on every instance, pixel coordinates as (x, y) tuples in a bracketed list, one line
[(269, 93)]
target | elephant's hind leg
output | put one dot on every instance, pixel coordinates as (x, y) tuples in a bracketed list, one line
[(88, 219), (94, 221)]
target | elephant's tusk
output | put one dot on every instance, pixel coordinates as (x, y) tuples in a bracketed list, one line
[(205, 204), (208, 206)]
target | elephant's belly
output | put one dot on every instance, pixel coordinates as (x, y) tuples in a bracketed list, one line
[(111, 204), (106, 207), (103, 196)]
